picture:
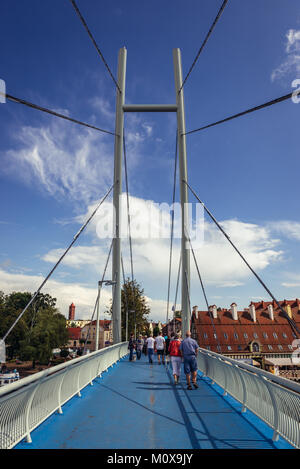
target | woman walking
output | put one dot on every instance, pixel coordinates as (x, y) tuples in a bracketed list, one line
[(176, 357)]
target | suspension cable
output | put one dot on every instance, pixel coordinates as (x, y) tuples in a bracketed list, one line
[(126, 298), (291, 321), (176, 292), (129, 224), (248, 111), (94, 42), (59, 261), (172, 226), (53, 113), (203, 290), (98, 294), (129, 227), (204, 42), (188, 292), (128, 208)]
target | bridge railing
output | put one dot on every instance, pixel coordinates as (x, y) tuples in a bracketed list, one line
[(274, 399), (25, 404)]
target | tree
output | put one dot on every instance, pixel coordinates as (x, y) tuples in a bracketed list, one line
[(41, 328), (134, 301)]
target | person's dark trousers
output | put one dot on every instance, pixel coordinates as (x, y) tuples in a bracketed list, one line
[(150, 354), (138, 354), (131, 354)]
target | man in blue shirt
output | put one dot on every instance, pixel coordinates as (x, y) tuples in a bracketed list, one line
[(189, 349)]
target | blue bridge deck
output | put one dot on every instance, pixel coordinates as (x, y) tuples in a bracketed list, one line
[(135, 406)]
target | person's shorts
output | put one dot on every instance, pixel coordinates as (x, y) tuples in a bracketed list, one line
[(190, 364), (160, 352)]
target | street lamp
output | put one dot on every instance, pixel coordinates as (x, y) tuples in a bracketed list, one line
[(107, 283), (133, 311)]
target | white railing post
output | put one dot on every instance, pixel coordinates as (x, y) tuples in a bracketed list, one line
[(244, 400), (225, 367), (78, 385), (65, 372), (275, 408), (27, 412)]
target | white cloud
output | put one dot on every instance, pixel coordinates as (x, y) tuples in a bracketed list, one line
[(286, 228), (83, 296), (64, 162), (158, 310), (291, 64), (219, 264), (148, 128), (77, 257)]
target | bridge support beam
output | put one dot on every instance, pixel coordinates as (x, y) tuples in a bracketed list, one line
[(118, 152), (185, 252)]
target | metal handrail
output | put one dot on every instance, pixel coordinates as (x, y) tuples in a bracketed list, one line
[(274, 399), (26, 403)]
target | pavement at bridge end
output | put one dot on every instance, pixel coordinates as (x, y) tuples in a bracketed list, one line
[(135, 405)]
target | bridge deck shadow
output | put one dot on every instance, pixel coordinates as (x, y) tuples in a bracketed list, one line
[(136, 405)]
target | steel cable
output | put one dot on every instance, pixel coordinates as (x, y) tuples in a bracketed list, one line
[(291, 321), (53, 113), (58, 262), (94, 42), (248, 111), (203, 289), (128, 208), (172, 225), (204, 42), (99, 293)]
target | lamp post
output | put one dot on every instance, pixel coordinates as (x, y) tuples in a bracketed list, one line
[(100, 283), (133, 311)]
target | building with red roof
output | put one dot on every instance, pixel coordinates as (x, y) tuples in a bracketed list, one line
[(74, 336), (260, 333), (88, 334)]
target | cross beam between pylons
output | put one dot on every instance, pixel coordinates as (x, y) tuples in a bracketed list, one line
[(121, 108)]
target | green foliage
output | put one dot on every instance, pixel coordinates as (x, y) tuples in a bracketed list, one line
[(41, 328), (156, 331), (133, 299)]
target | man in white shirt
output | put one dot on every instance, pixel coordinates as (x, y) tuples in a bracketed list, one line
[(160, 347), (150, 348)]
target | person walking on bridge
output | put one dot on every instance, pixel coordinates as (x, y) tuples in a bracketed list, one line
[(139, 347), (189, 349), (131, 346), (145, 346), (176, 357), (150, 348), (160, 347)]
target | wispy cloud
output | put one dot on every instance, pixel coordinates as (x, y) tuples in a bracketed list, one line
[(62, 162), (67, 161), (291, 63), (286, 228)]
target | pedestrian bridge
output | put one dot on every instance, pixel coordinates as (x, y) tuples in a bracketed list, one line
[(104, 401)]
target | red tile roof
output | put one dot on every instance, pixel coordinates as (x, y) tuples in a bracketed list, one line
[(232, 332)]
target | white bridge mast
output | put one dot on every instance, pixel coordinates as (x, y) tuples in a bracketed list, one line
[(185, 254)]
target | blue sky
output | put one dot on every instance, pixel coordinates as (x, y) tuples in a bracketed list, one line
[(246, 171)]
